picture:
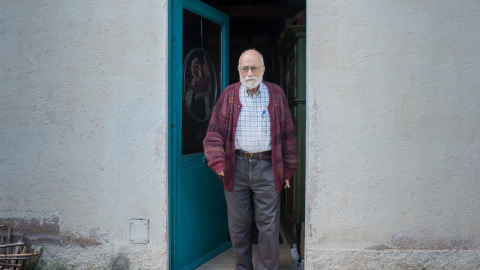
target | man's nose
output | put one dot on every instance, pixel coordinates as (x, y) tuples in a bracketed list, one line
[(250, 72)]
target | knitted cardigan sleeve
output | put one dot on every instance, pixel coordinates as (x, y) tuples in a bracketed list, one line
[(287, 142), (215, 139)]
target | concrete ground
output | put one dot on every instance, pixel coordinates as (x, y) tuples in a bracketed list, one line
[(226, 260)]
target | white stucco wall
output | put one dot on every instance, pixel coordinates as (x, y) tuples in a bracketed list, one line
[(393, 131), (393, 137), (83, 116)]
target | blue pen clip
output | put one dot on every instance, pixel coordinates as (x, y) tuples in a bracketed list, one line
[(263, 113)]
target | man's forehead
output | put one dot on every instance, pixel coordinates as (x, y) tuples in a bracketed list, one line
[(250, 56)]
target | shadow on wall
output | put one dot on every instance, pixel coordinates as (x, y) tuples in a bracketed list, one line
[(121, 262)]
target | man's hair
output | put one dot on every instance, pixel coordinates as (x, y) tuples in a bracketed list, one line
[(252, 49)]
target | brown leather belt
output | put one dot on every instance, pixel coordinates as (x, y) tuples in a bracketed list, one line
[(261, 155)]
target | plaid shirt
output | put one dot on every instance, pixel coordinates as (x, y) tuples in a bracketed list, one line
[(253, 126)]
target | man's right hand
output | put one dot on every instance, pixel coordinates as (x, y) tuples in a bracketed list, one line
[(221, 173)]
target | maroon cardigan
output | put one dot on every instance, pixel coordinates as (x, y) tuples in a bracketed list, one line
[(219, 143)]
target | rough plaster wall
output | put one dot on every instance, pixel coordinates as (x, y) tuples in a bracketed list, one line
[(393, 133), (83, 118)]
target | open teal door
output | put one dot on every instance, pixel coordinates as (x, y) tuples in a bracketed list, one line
[(198, 73)]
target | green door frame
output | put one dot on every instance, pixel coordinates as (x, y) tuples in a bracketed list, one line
[(175, 63)]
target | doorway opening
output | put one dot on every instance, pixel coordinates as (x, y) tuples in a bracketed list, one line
[(276, 29), (201, 64)]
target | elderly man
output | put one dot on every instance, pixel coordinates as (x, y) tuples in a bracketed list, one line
[(250, 144)]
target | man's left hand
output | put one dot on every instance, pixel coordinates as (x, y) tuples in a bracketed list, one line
[(287, 183)]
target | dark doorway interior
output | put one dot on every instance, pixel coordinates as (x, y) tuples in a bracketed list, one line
[(263, 25), (258, 24)]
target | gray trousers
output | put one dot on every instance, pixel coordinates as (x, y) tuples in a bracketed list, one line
[(254, 176)]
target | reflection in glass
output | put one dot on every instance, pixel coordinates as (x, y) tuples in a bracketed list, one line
[(201, 78)]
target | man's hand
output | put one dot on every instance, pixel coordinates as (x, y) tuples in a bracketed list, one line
[(221, 173), (287, 183)]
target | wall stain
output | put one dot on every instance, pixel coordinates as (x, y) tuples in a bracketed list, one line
[(379, 247), (41, 231), (416, 241)]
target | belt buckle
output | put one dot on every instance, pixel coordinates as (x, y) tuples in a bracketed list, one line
[(246, 155)]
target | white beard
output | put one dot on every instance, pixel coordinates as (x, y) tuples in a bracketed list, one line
[(251, 82)]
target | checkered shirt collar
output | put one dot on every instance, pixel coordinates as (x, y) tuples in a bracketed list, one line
[(246, 93)]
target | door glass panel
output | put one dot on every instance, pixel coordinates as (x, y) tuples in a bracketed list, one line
[(201, 78)]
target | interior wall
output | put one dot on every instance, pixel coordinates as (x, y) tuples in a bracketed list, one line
[(84, 128), (393, 135)]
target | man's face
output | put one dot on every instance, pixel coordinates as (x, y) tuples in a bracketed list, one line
[(251, 69)]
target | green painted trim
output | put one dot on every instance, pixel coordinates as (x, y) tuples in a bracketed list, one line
[(171, 131), (175, 62)]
